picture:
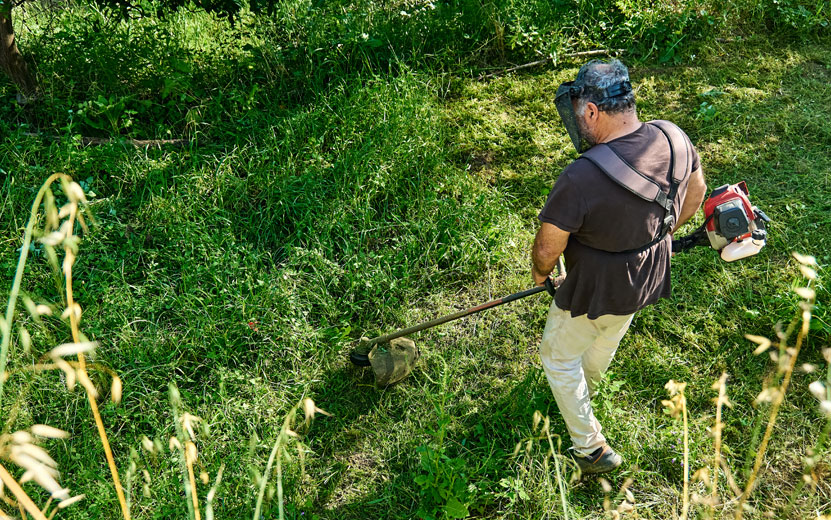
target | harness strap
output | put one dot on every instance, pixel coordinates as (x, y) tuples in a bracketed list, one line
[(680, 149), (627, 176), (620, 171)]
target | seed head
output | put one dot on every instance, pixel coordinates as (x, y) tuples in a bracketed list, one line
[(806, 292), (763, 342), (52, 239), (67, 210), (804, 259), (808, 273), (75, 193), (148, 445), (767, 395), (188, 422), (818, 390), (175, 396), (607, 488), (42, 430), (536, 419), (115, 390), (52, 219), (308, 410), (25, 339), (71, 349), (73, 310), (69, 501)]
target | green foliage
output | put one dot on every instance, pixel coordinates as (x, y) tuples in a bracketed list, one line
[(444, 486), (803, 18), (445, 491), (333, 185)]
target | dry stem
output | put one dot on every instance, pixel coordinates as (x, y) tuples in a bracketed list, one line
[(722, 397), (275, 452), (686, 498), (22, 498), (82, 367), (780, 397), (189, 463)]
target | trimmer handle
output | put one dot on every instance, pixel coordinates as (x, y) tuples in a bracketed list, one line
[(549, 286)]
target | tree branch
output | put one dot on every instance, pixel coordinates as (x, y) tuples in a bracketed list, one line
[(598, 52)]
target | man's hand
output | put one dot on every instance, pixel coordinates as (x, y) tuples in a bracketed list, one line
[(549, 244), (539, 278)]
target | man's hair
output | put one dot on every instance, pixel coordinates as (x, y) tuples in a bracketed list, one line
[(594, 78)]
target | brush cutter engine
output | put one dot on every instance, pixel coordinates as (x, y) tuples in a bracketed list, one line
[(732, 225)]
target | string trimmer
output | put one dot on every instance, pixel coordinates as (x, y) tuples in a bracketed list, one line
[(732, 226), (392, 356)]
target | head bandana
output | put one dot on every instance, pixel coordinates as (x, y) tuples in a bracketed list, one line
[(564, 101)]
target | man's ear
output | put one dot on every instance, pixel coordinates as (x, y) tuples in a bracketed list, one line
[(592, 112)]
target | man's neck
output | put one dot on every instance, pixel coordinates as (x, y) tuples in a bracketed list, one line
[(618, 125)]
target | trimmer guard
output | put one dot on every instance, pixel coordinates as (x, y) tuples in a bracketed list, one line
[(391, 362)]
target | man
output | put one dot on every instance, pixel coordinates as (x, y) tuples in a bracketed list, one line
[(612, 212)]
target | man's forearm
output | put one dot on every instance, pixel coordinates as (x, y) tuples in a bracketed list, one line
[(543, 262), (549, 244)]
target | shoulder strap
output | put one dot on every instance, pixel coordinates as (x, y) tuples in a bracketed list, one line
[(617, 169), (678, 147)]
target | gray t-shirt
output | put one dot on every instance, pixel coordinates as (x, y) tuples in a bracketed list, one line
[(603, 217)]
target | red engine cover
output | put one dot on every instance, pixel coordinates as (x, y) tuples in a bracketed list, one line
[(724, 194)]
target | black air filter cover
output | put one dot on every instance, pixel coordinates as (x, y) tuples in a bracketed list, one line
[(731, 220)]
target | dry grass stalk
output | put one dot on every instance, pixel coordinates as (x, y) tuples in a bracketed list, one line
[(6, 325), (278, 451), (185, 468), (76, 197), (541, 430), (21, 450), (814, 455), (21, 496), (721, 401), (786, 363), (676, 406), (209, 500), (561, 486), (190, 459)]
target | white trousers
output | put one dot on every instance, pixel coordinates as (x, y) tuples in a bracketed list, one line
[(575, 352)]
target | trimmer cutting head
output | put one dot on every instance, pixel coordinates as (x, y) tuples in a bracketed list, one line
[(390, 361)]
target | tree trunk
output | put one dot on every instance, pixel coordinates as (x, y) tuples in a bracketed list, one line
[(11, 61)]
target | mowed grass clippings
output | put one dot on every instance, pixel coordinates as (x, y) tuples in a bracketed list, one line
[(245, 268)]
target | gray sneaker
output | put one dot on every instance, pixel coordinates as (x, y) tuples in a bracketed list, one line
[(601, 460)]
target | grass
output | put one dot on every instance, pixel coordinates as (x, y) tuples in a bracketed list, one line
[(245, 265)]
